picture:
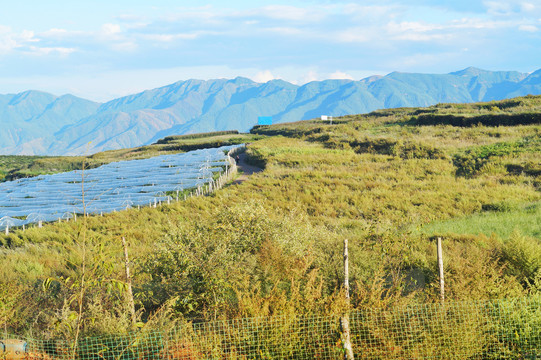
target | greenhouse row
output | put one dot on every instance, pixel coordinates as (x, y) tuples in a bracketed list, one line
[(112, 187)]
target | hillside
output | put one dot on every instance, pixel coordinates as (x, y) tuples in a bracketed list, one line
[(389, 181), (30, 119), (43, 124)]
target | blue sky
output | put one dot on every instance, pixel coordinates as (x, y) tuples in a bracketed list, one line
[(104, 49)]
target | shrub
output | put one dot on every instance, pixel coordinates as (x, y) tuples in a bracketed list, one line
[(524, 254), (417, 150), (383, 146)]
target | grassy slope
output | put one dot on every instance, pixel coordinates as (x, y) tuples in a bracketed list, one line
[(273, 243)]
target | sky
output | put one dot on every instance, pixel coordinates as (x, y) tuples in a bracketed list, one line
[(101, 50)]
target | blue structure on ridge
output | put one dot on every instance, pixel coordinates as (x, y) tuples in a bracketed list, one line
[(264, 120)]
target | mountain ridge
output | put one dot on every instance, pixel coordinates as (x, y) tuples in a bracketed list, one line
[(40, 123)]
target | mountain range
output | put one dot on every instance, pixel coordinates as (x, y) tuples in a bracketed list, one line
[(38, 123)]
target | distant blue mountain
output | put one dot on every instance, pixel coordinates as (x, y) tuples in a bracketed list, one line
[(29, 120), (34, 122)]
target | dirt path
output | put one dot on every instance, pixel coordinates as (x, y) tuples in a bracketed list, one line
[(245, 169)]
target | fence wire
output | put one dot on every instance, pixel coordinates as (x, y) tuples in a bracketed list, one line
[(500, 329)]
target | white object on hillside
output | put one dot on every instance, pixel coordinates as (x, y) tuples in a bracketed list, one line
[(112, 187)]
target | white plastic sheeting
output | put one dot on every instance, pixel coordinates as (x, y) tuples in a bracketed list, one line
[(112, 187)]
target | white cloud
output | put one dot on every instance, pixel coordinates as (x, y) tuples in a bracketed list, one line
[(415, 60), (110, 29), (7, 44), (7, 41), (422, 37), (413, 31), (414, 26), (308, 77), (62, 51), (26, 42), (292, 13), (513, 7), (528, 7), (476, 23), (28, 36), (353, 35), (169, 37), (11, 41), (372, 11), (130, 18), (132, 21), (340, 75), (288, 31), (113, 37), (55, 33), (499, 8), (528, 28), (202, 15), (263, 76)]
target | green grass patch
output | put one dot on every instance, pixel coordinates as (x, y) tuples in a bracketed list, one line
[(470, 161), (173, 138), (502, 221)]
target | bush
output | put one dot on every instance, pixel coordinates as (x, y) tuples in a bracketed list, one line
[(524, 254), (382, 146), (501, 206), (417, 150)]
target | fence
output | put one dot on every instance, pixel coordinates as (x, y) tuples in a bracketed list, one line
[(225, 177), (500, 329)]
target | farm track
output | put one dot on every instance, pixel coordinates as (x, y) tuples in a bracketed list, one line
[(246, 169)]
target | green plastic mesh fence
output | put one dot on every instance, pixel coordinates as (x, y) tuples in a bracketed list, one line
[(502, 329)]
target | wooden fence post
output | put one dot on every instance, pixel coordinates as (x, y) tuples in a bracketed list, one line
[(346, 335), (440, 265), (131, 302)]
